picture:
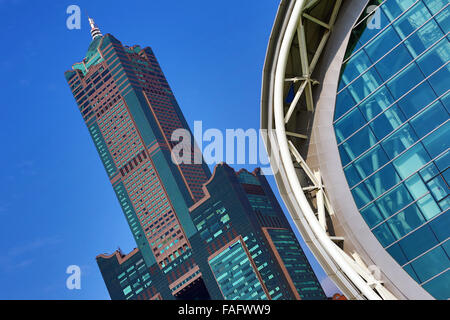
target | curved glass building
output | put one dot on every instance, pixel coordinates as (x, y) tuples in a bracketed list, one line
[(393, 133), (355, 98)]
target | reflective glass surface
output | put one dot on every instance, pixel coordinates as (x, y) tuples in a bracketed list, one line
[(393, 132)]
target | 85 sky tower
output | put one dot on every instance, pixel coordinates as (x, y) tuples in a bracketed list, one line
[(131, 113)]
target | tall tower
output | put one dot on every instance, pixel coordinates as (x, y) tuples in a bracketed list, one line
[(131, 113)]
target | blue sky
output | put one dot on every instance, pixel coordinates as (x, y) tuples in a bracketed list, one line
[(56, 204)]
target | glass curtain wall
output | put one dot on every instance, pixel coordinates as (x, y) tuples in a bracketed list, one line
[(393, 132)]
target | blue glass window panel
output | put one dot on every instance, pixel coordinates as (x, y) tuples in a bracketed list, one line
[(438, 141), (438, 188), (387, 122), (364, 85), (443, 19), (348, 124), (441, 226), (352, 175), (355, 66), (409, 22), (382, 181), (394, 8), (429, 119), (418, 242), (435, 5), (428, 207), (405, 80), (344, 102), (435, 57), (371, 161), (439, 287), (361, 195), (383, 235), (408, 268), (411, 161), (359, 142), (417, 99), (393, 62), (382, 44), (376, 103), (429, 172), (341, 85), (439, 80), (235, 274), (394, 201), (372, 215), (446, 247), (446, 176), (443, 161), (405, 221), (423, 38), (444, 203), (357, 44), (369, 34), (399, 141), (396, 252), (430, 264), (344, 156), (416, 187), (446, 102)]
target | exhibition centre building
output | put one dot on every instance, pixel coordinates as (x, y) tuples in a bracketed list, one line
[(355, 98)]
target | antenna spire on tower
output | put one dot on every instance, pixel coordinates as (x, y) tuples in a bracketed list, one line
[(95, 31)]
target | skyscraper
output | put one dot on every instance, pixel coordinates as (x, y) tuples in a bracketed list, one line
[(241, 214), (131, 113), (357, 93)]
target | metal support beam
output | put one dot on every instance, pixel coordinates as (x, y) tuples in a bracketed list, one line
[(295, 79), (308, 67), (298, 135), (318, 190), (305, 63), (315, 20), (310, 4), (295, 101)]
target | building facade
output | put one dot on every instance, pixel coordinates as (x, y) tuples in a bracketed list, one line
[(131, 113), (392, 128), (369, 127), (128, 276), (241, 223)]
